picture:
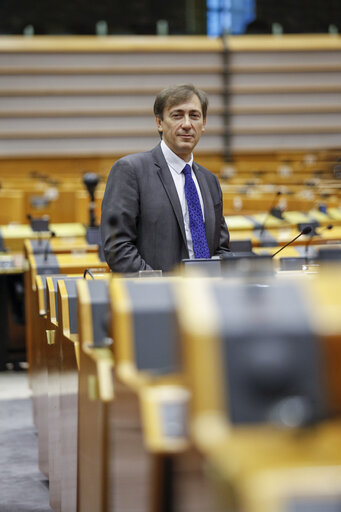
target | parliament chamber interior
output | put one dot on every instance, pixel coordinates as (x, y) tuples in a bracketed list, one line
[(212, 388)]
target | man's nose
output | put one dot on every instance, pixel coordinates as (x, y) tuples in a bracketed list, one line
[(186, 121)]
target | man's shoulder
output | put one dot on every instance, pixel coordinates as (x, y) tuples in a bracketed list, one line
[(137, 158)]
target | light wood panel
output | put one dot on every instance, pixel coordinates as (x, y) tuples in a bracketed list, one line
[(86, 96)]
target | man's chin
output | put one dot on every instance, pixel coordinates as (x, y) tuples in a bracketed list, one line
[(188, 144)]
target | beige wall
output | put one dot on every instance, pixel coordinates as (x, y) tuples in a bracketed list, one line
[(88, 96)]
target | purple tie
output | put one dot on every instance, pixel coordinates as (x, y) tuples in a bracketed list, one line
[(196, 221)]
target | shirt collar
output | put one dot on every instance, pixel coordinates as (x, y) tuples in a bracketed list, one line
[(173, 160)]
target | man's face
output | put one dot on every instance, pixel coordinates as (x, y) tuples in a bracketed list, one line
[(182, 126)]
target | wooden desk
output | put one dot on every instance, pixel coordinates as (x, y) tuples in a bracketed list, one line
[(290, 219), (260, 459), (68, 333), (96, 394), (75, 245), (140, 455), (14, 235), (148, 364), (55, 385), (52, 264)]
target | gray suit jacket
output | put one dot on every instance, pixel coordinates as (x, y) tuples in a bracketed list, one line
[(142, 225)]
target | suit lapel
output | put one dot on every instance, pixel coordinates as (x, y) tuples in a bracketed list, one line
[(208, 206), (168, 183)]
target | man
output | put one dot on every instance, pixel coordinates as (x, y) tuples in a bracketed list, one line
[(148, 219)]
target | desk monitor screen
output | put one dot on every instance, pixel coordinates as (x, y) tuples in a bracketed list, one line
[(209, 267), (248, 265), (292, 263), (40, 224)]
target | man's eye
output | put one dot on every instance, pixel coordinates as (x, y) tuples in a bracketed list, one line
[(176, 116), (195, 116)]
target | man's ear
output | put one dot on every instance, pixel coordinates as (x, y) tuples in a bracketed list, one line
[(159, 124), (204, 125)]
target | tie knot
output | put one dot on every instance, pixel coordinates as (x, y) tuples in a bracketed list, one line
[(187, 170)]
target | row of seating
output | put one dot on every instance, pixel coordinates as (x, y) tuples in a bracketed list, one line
[(258, 230), (72, 206), (261, 233), (141, 397), (56, 170), (56, 255), (251, 190), (247, 187), (185, 392)]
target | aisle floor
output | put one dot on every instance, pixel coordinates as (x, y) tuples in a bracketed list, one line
[(22, 487)]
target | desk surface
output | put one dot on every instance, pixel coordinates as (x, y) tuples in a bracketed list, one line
[(23, 231), (12, 263), (13, 235), (290, 219)]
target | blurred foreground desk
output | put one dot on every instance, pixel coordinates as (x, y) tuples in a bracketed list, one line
[(252, 359), (55, 365), (266, 405), (136, 455)]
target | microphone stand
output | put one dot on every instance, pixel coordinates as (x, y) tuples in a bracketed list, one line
[(304, 231), (46, 249), (278, 193)]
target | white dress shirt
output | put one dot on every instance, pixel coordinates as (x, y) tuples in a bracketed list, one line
[(176, 166)]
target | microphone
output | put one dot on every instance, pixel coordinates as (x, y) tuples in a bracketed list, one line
[(88, 271), (305, 231), (91, 180), (274, 201), (38, 223), (319, 234), (330, 226), (40, 238), (47, 247)]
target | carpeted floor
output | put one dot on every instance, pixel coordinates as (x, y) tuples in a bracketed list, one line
[(22, 487)]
